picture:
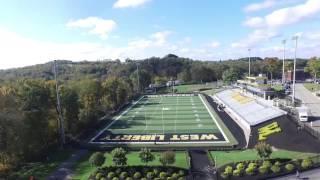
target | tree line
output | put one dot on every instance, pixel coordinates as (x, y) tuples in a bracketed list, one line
[(90, 90)]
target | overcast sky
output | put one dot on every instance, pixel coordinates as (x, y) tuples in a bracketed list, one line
[(37, 31)]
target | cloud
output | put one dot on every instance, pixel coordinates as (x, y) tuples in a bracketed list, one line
[(214, 44), (257, 37), (129, 3), (286, 16), (259, 6), (160, 38), (94, 25)]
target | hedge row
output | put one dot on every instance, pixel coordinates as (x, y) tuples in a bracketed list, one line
[(139, 172), (251, 168)]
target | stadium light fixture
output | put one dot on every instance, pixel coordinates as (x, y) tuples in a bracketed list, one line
[(249, 62), (284, 57), (294, 38)]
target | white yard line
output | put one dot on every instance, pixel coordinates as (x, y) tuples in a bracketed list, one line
[(116, 119), (214, 119)]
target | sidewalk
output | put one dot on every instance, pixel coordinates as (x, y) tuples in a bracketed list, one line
[(310, 175), (64, 171)]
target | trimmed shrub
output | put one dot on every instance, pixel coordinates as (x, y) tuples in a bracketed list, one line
[(289, 167), (263, 169), (98, 175), (175, 176), (167, 157), (236, 172), (267, 164), (181, 178), (224, 176), (143, 178), (250, 171), (277, 163), (275, 169), (156, 171), (129, 178), (306, 163), (137, 175), (240, 166), (228, 171), (118, 171), (115, 178), (163, 175), (181, 172), (150, 175), (123, 175), (111, 175), (97, 159), (103, 178), (252, 165)]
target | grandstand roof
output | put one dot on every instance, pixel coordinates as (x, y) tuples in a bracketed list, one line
[(250, 109)]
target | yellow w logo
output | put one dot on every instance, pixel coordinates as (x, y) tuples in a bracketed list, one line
[(267, 130)]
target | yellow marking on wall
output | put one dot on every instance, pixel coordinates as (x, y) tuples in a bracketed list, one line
[(267, 130)]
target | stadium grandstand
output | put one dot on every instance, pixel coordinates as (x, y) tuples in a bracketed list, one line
[(246, 110)]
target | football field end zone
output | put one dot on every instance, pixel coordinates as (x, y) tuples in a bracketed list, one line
[(189, 143), (115, 119)]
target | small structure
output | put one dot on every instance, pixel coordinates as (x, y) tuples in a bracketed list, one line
[(257, 85), (173, 83), (301, 75)]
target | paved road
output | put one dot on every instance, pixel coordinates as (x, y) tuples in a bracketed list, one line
[(64, 171), (310, 175), (201, 166), (311, 101)]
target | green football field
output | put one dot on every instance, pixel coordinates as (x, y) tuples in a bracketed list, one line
[(156, 119)]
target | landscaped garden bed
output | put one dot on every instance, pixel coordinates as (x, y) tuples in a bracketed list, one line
[(139, 172), (262, 169)]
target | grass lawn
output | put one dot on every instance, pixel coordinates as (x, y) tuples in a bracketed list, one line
[(83, 169), (312, 87), (224, 157), (277, 87), (41, 170), (193, 87)]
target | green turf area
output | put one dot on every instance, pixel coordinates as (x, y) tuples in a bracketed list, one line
[(277, 87), (312, 87), (40, 170), (189, 88), (84, 168), (169, 116), (224, 157)]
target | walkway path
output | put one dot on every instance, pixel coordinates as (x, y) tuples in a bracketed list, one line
[(201, 166), (310, 175), (64, 171)]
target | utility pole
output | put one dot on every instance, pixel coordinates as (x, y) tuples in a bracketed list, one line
[(295, 38), (60, 119), (138, 77), (249, 61), (284, 57)]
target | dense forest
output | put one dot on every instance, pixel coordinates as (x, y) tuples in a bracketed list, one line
[(90, 90)]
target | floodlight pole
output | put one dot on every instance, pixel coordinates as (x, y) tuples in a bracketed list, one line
[(284, 57), (59, 109), (295, 38), (138, 77), (249, 62)]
